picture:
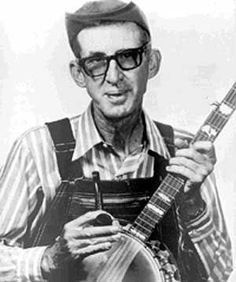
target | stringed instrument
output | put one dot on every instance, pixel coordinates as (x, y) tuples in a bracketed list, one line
[(133, 258)]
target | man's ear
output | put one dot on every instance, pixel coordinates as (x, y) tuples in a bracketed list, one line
[(154, 63), (77, 74)]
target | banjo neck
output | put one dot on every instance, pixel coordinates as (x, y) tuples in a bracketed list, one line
[(172, 184)]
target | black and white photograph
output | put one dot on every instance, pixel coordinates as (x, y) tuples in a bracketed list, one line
[(118, 141)]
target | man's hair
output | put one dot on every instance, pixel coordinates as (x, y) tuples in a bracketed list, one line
[(98, 7), (104, 12)]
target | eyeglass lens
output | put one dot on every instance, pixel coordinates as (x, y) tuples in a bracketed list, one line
[(126, 60)]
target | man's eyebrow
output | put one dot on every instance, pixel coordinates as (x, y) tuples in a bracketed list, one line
[(99, 53), (96, 53)]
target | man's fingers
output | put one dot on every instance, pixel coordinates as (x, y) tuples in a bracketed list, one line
[(181, 143), (203, 147), (82, 243), (90, 250), (95, 231), (82, 228), (201, 152), (188, 173), (188, 158), (87, 218), (207, 148)]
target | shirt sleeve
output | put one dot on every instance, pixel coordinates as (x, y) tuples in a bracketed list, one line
[(208, 231), (209, 235), (19, 183)]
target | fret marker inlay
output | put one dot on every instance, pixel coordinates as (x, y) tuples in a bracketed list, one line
[(164, 197), (225, 109), (155, 209), (209, 130)]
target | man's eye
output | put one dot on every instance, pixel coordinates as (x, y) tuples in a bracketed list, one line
[(126, 54), (95, 60)]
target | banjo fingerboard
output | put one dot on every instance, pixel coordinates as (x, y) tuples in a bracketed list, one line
[(172, 184)]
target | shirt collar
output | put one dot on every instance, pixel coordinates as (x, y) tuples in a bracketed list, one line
[(154, 138), (87, 135)]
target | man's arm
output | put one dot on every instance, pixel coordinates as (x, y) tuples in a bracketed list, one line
[(200, 209), (209, 234), (19, 183)]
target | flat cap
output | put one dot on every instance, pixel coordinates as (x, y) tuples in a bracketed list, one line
[(95, 12)]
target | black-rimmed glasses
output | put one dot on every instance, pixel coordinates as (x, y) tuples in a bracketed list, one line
[(128, 59)]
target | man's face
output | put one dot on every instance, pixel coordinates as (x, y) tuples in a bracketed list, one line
[(119, 93)]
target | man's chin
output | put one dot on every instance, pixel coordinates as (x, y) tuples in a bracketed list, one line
[(116, 116)]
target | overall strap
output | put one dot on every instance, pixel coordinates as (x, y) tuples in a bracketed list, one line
[(169, 224), (64, 144), (167, 133), (55, 217)]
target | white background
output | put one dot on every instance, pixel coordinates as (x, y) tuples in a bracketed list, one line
[(197, 40)]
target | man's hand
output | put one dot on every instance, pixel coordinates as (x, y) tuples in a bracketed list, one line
[(80, 238), (195, 162)]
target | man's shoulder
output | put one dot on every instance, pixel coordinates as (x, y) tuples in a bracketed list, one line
[(177, 132), (39, 135), (32, 131), (43, 128)]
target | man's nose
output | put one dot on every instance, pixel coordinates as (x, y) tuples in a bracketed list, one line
[(114, 73)]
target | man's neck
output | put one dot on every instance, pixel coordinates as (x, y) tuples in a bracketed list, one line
[(125, 134)]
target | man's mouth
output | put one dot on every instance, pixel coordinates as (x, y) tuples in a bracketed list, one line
[(116, 97)]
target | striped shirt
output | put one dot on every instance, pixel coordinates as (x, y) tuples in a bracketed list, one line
[(31, 165)]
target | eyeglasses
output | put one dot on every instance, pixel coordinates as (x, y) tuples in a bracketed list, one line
[(128, 59)]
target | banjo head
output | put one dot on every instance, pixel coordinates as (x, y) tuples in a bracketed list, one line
[(129, 260)]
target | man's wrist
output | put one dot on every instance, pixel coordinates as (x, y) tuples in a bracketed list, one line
[(53, 258), (45, 268), (192, 207), (48, 263)]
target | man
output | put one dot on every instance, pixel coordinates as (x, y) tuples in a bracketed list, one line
[(40, 235)]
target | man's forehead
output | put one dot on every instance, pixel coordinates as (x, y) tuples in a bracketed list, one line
[(109, 38)]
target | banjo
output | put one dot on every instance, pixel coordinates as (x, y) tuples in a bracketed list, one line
[(134, 258)]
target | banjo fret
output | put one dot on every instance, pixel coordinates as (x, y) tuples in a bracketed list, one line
[(164, 197), (137, 234), (155, 209)]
